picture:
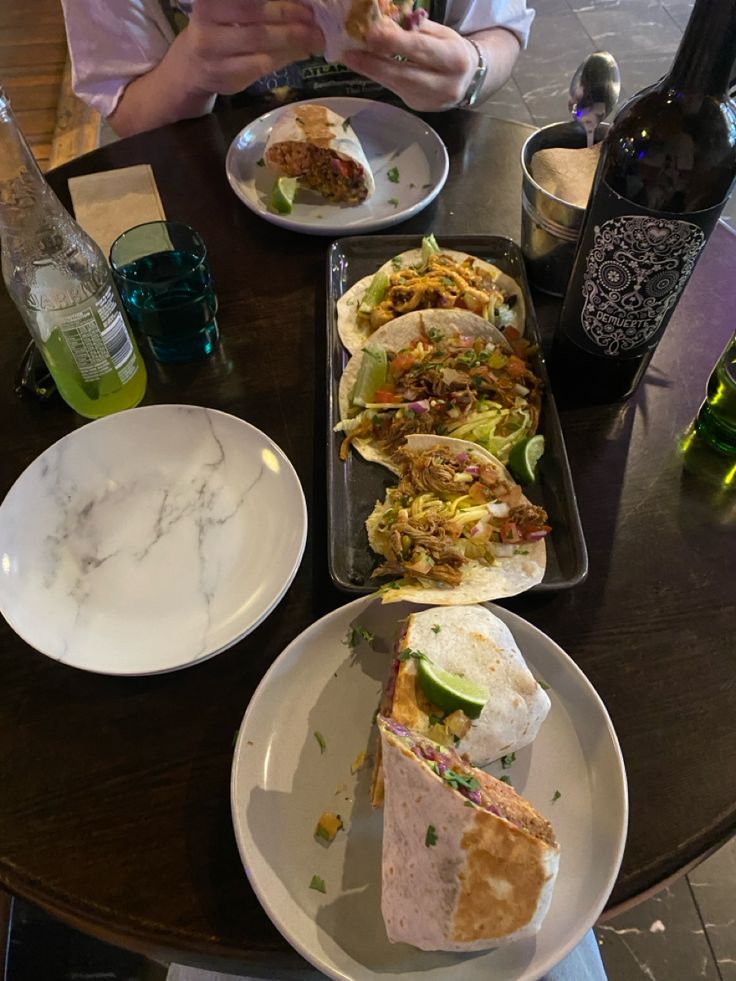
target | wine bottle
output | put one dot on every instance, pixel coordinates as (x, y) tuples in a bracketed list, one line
[(62, 285), (667, 165)]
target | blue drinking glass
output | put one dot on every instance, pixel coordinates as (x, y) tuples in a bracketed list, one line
[(161, 272)]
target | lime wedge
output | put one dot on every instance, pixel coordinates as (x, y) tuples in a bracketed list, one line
[(372, 373), (375, 292), (282, 194), (524, 457), (450, 691)]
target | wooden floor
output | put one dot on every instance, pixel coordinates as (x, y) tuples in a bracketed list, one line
[(36, 75), (32, 58)]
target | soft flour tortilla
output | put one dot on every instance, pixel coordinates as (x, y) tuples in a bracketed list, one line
[(354, 335), (476, 645), (480, 583), (345, 23), (484, 883), (309, 122), (395, 336)]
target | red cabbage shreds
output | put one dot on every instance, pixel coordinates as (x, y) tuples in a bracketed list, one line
[(417, 751), (474, 795), (419, 407), (395, 727), (462, 458)]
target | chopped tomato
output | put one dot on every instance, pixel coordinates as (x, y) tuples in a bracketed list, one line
[(385, 395), (515, 367), (477, 494), (401, 363), (510, 533)]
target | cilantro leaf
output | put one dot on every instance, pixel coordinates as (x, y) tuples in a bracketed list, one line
[(393, 175), (557, 796), (346, 124), (457, 780), (506, 780), (431, 836), (543, 685), (394, 202), (436, 628), (318, 883), (396, 262), (435, 720), (260, 162), (409, 653), (321, 740), (506, 761), (357, 633)]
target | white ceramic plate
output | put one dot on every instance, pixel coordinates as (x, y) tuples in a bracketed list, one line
[(281, 783), (391, 137), (149, 540)]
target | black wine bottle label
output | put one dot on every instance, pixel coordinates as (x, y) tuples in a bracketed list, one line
[(632, 266)]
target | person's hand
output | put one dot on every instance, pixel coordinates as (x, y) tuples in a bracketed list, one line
[(435, 66), (229, 44)]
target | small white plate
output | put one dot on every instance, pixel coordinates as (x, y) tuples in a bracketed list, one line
[(282, 782), (149, 540), (390, 137)]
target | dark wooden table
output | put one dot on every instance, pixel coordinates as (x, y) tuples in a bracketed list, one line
[(114, 793)]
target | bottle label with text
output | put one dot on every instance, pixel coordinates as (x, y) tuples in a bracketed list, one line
[(636, 266)]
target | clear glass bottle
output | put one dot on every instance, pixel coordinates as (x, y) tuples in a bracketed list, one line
[(61, 283), (667, 165)]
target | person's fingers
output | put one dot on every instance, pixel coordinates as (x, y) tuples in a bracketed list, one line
[(433, 45), (420, 88), (219, 42), (245, 12)]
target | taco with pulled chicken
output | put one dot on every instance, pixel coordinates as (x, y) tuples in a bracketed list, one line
[(448, 372), (317, 146), (467, 862), (456, 528), (426, 279)]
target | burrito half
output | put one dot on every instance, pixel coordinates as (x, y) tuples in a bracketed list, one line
[(472, 643), (320, 148), (468, 864)]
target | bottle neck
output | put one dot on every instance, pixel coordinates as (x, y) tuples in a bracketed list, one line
[(23, 189), (705, 57)]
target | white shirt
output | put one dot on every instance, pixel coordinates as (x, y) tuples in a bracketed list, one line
[(113, 42)]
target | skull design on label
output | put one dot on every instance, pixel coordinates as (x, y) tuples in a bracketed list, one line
[(634, 274)]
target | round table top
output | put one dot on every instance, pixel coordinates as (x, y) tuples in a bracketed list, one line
[(114, 810)]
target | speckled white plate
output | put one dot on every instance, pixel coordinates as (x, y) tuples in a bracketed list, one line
[(392, 138), (149, 540), (281, 783)]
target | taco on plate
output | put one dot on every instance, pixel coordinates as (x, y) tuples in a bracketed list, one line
[(470, 643), (428, 278), (467, 862), (457, 528), (448, 372), (320, 148)]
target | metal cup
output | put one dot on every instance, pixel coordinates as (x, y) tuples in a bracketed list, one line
[(550, 226)]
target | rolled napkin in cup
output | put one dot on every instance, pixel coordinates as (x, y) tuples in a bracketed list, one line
[(345, 23), (320, 148), (567, 173)]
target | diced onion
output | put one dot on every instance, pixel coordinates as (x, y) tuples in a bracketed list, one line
[(498, 509), (419, 407)]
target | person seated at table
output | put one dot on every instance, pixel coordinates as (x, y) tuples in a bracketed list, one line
[(141, 63)]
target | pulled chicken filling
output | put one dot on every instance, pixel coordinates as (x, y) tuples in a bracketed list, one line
[(442, 284), (447, 509), (469, 388)]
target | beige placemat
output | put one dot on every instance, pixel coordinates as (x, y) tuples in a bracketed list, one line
[(566, 173), (109, 203)]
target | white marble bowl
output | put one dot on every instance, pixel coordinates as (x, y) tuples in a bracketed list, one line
[(149, 540)]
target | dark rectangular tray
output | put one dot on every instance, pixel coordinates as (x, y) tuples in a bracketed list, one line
[(353, 487)]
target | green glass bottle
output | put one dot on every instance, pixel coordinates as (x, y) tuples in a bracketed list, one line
[(62, 286), (708, 448)]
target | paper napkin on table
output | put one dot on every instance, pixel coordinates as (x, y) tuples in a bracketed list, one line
[(567, 173), (109, 203)]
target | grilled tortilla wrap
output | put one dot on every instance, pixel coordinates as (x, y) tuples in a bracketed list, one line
[(471, 642), (345, 23), (504, 303), (445, 545), (468, 864), (500, 416), (316, 145)]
